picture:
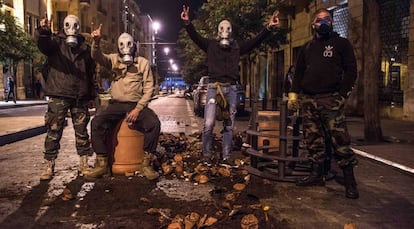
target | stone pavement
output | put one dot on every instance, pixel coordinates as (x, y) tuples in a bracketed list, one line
[(397, 150)]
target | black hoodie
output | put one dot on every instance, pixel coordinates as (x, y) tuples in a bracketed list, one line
[(325, 65)]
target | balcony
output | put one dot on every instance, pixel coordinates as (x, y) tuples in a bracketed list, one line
[(85, 3), (101, 10)]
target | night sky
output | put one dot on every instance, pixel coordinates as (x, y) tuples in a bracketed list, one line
[(167, 12)]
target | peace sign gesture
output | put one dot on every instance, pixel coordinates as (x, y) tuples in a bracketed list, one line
[(185, 14), (45, 23), (274, 20), (96, 34)]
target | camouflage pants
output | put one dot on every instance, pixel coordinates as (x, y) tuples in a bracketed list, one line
[(55, 119), (323, 117)]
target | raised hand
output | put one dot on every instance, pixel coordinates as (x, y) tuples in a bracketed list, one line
[(274, 20), (45, 23), (96, 34), (185, 14)]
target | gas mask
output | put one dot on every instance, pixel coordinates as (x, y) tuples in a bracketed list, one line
[(71, 28), (126, 48), (224, 33), (324, 28)]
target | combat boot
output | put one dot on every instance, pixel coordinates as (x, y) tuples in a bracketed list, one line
[(101, 168), (83, 165), (316, 177), (350, 184), (49, 170), (147, 170)]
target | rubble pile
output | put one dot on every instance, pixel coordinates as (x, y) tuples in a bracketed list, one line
[(179, 158), (218, 195)]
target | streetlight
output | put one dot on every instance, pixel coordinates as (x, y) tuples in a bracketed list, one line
[(166, 51), (174, 67), (125, 16), (156, 26)]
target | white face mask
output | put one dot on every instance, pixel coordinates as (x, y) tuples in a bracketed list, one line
[(71, 28), (126, 48), (224, 33)]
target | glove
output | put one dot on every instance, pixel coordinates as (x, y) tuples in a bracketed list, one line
[(293, 102)]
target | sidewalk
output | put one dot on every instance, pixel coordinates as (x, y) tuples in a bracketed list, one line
[(21, 103), (18, 122), (397, 150)]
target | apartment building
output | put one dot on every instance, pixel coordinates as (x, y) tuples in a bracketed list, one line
[(116, 17)]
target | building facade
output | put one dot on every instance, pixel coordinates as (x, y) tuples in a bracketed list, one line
[(116, 17)]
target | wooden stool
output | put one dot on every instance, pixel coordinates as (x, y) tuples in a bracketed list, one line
[(129, 150)]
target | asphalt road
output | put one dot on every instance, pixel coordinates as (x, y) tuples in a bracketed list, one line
[(386, 194)]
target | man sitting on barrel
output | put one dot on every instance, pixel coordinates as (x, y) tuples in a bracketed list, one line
[(131, 91)]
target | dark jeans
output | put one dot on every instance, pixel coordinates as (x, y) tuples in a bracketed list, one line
[(106, 120), (9, 93)]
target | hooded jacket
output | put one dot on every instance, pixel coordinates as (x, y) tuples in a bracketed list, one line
[(325, 65), (71, 70)]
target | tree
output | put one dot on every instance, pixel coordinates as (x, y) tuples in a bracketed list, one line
[(247, 17), (370, 71), (15, 43)]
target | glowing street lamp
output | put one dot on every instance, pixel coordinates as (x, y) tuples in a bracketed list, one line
[(156, 26), (174, 67), (166, 51)]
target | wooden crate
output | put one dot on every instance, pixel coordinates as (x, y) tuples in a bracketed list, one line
[(268, 122)]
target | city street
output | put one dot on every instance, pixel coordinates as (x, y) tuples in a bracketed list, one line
[(386, 193)]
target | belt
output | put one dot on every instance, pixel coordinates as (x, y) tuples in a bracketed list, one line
[(321, 95), (125, 102)]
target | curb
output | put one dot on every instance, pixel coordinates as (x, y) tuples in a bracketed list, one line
[(21, 105), (384, 161), (21, 135)]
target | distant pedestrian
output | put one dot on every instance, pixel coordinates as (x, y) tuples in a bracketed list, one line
[(69, 84), (10, 89), (325, 73), (287, 84), (38, 88)]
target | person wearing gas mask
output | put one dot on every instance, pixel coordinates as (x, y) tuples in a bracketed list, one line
[(325, 74), (131, 91), (223, 56), (70, 85)]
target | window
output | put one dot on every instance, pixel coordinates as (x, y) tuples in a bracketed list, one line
[(29, 24), (60, 18)]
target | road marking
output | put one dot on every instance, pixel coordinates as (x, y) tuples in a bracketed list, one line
[(385, 161)]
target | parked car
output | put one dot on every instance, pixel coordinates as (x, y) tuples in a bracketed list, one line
[(241, 99), (200, 94)]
